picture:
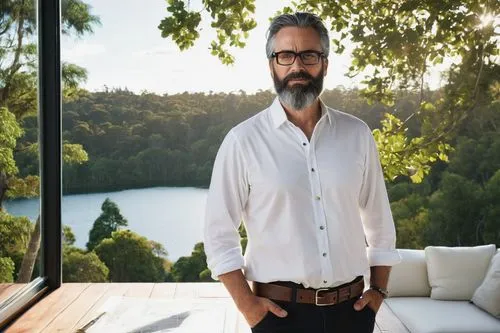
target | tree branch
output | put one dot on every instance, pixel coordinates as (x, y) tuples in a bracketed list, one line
[(7, 27), (424, 70), (433, 140), (17, 55), (475, 91)]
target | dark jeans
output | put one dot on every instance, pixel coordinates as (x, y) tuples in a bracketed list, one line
[(309, 318)]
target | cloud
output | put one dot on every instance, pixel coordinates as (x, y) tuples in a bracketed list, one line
[(81, 51)]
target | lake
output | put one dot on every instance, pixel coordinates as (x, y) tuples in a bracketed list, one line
[(172, 216)]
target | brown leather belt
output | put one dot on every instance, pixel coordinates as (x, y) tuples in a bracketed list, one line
[(320, 297)]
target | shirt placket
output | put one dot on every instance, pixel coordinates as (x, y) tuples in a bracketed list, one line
[(319, 207), (317, 202)]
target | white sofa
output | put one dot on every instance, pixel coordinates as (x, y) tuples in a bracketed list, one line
[(416, 299)]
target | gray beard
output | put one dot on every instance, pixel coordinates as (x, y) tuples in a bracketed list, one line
[(297, 99), (298, 96)]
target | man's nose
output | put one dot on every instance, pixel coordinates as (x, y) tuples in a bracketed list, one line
[(297, 65)]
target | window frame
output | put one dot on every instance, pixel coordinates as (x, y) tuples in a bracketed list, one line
[(49, 111)]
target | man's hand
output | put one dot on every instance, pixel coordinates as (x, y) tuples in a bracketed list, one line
[(370, 298), (253, 308), (256, 308)]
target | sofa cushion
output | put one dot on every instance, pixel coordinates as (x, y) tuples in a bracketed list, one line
[(456, 272), (487, 296), (425, 315), (409, 277)]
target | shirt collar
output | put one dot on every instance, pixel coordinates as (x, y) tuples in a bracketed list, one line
[(278, 114)]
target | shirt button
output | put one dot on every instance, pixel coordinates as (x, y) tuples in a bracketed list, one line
[(318, 197), (304, 144), (322, 227), (324, 281), (324, 254), (312, 169)]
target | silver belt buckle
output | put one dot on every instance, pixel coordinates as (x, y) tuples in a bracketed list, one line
[(317, 298)]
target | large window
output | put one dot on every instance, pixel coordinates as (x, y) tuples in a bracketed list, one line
[(30, 246)]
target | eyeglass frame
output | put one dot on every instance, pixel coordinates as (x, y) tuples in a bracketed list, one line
[(298, 54)]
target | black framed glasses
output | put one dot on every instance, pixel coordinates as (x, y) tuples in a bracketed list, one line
[(287, 58)]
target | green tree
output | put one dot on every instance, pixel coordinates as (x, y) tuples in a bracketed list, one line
[(192, 268), (83, 267), (410, 217), (10, 131), (477, 158), (206, 276), (464, 209), (14, 238), (79, 265), (68, 237), (396, 43), (491, 210), (6, 270), (161, 253), (109, 221), (130, 258), (455, 212), (68, 241)]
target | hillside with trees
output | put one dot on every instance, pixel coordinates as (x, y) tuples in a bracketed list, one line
[(148, 140)]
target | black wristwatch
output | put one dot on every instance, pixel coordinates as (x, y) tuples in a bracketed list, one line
[(381, 291)]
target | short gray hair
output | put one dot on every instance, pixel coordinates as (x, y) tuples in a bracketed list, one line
[(301, 20)]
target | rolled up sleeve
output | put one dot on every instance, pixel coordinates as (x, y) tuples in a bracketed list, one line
[(375, 211), (226, 200)]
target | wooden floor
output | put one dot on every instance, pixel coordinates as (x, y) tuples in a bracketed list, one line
[(74, 304)]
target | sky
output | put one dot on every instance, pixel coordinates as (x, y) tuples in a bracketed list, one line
[(127, 51)]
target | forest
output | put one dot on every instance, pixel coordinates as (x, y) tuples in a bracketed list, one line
[(145, 140)]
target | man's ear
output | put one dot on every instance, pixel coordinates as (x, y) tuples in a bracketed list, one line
[(326, 66)]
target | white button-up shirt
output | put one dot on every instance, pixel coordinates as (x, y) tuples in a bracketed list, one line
[(315, 213)]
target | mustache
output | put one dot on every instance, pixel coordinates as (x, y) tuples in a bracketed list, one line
[(297, 75)]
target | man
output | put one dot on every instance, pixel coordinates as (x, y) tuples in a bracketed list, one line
[(307, 183)]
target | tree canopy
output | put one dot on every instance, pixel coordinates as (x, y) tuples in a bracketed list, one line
[(395, 44), (14, 237), (190, 268), (130, 258), (108, 222), (78, 267), (457, 205)]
